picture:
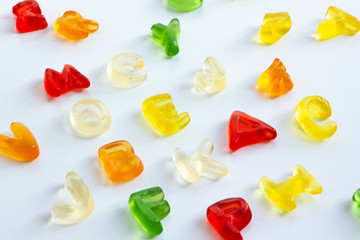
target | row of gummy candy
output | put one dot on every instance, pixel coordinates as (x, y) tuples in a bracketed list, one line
[(274, 25), (90, 117)]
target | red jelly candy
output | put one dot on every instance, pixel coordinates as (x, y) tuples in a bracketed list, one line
[(229, 217), (70, 79), (29, 16), (245, 130)]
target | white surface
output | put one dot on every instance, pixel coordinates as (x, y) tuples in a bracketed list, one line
[(226, 30)]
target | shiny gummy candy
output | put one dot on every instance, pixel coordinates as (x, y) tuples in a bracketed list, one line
[(314, 108), (23, 147), (200, 163), (246, 130), (229, 217), (212, 78), (274, 26), (29, 16), (149, 208), (283, 194), (90, 117), (275, 81), (120, 162), (82, 206), (162, 114), (337, 23), (69, 79), (167, 36), (186, 5), (74, 27)]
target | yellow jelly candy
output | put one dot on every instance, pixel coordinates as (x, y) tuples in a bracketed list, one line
[(315, 107), (74, 27), (213, 77), (337, 23), (90, 117), (162, 114), (282, 194), (274, 26), (275, 81), (83, 202)]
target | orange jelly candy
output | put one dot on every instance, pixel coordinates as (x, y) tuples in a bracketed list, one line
[(23, 147), (275, 81), (74, 27), (120, 162)]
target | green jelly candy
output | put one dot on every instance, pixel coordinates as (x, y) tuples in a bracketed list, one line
[(149, 207), (167, 36), (186, 5), (356, 200)]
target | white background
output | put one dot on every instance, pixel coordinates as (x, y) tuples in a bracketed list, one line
[(226, 30)]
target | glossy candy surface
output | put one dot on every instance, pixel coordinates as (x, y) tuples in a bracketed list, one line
[(356, 201), (229, 217), (162, 114), (282, 194), (275, 81), (315, 108), (83, 202), (200, 163), (23, 147), (167, 36), (74, 27), (245, 130), (126, 70), (213, 77), (186, 5), (149, 207), (337, 23), (56, 83), (120, 162), (274, 26), (90, 117), (29, 17)]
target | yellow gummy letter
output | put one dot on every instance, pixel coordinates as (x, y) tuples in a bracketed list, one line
[(315, 107), (162, 114), (337, 23)]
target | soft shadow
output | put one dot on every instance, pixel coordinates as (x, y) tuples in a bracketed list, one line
[(131, 223), (223, 134), (266, 201)]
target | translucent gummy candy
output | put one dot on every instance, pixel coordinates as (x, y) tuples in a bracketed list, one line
[(90, 117), (213, 77), (83, 202), (167, 36), (162, 114), (337, 23), (200, 163), (282, 194), (186, 5), (74, 27), (120, 162), (274, 26), (275, 81), (23, 147), (149, 208), (311, 108), (126, 70)]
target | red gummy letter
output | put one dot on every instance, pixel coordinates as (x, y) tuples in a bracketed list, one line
[(70, 79), (29, 16), (229, 217), (245, 130)]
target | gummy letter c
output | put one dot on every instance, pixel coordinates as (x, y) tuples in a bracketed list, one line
[(315, 107)]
